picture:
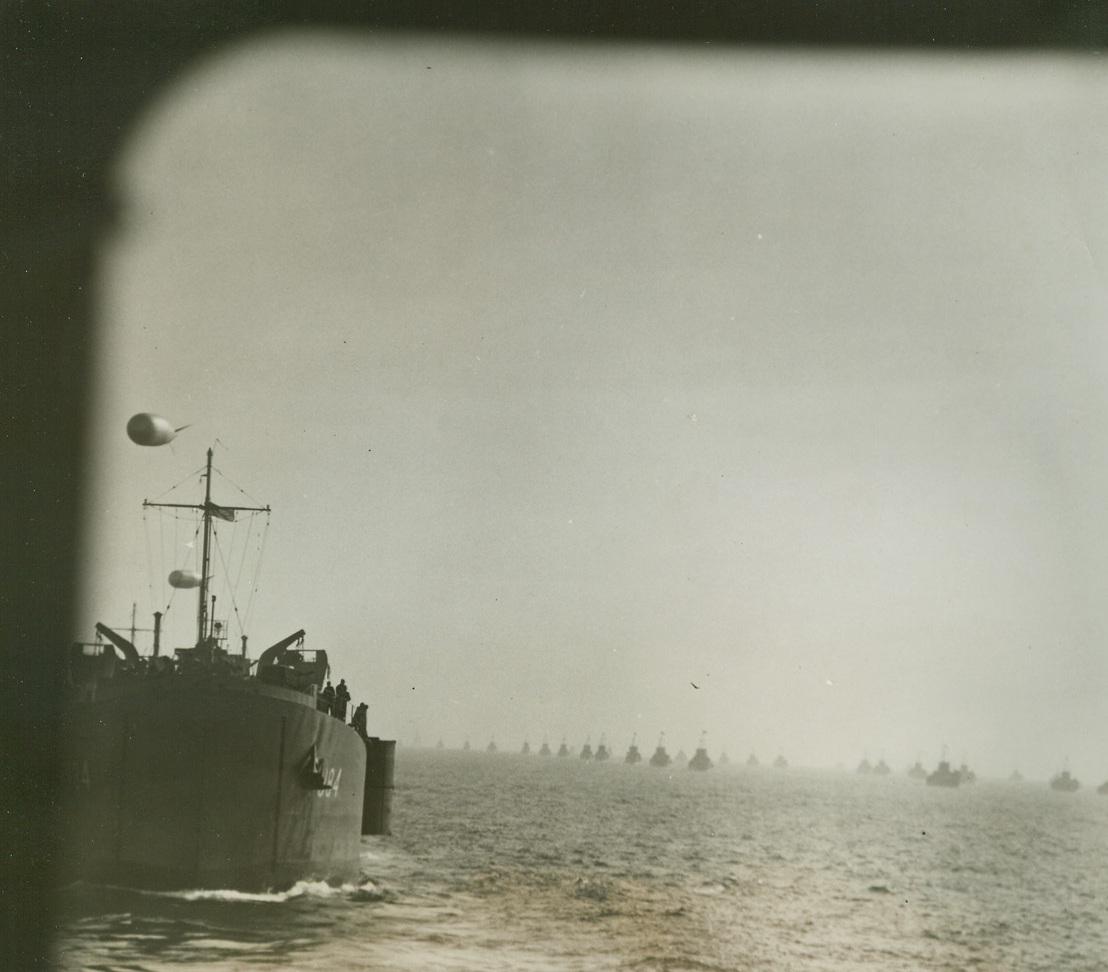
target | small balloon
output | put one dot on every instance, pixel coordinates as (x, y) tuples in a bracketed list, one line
[(184, 579), (146, 429)]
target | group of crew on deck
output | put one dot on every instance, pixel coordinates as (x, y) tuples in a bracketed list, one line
[(335, 701)]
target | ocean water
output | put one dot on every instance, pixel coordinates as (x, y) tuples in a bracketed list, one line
[(534, 864)]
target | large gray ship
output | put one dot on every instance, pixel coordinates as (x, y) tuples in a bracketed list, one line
[(204, 769)]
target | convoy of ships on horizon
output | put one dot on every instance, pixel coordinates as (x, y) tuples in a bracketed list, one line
[(202, 768), (943, 775)]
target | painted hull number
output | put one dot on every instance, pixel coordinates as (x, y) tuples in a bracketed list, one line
[(331, 782)]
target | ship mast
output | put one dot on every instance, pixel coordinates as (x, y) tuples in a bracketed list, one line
[(208, 511), (205, 559)]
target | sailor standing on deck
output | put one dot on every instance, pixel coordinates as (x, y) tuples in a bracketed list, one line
[(328, 697), (342, 697), (359, 720)]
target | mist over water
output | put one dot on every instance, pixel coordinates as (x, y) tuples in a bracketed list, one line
[(526, 863)]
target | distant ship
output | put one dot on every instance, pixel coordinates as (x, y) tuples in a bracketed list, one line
[(968, 775), (586, 750), (700, 761), (545, 749), (526, 750), (465, 746), (440, 745), (203, 769), (660, 758), (1103, 789), (491, 747), (724, 760), (633, 755), (1016, 777), (781, 763), (864, 767), (602, 751), (917, 772), (680, 759), (882, 768), (752, 760), (1065, 782), (944, 776), (563, 750)]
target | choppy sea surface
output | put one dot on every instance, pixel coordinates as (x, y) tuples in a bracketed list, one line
[(533, 864)]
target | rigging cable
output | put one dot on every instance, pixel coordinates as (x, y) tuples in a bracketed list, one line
[(178, 518), (237, 486), (242, 558), (178, 485), (257, 568), (149, 557), (242, 561), (227, 574), (248, 611)]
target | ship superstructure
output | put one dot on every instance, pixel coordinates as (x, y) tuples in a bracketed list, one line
[(204, 769)]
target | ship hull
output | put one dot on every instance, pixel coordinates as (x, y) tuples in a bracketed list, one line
[(208, 782)]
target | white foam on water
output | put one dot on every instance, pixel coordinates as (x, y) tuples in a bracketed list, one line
[(314, 889)]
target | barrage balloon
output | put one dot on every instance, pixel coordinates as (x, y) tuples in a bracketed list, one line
[(184, 579), (147, 429)]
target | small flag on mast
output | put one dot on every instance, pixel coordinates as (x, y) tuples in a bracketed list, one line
[(222, 512)]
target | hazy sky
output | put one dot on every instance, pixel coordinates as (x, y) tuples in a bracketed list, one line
[(614, 390)]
